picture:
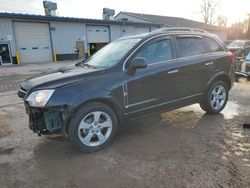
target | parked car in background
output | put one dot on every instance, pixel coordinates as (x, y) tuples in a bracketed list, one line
[(247, 63), (227, 42), (240, 47), (130, 78)]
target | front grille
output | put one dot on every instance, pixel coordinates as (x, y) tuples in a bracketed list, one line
[(21, 93)]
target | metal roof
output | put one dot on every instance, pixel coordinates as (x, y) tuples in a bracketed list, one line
[(70, 19), (172, 21)]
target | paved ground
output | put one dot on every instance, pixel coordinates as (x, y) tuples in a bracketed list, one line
[(182, 148)]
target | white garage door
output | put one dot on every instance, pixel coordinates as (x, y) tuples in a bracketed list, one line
[(139, 30), (33, 42), (97, 34)]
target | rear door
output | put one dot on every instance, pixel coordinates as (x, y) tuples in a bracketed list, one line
[(194, 68), (216, 57)]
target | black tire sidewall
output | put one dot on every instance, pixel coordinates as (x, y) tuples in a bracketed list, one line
[(79, 115), (208, 96)]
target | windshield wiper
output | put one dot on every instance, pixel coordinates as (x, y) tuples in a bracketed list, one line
[(79, 63), (82, 64), (88, 65)]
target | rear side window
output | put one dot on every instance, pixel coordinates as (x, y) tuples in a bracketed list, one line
[(158, 51), (190, 46), (212, 45)]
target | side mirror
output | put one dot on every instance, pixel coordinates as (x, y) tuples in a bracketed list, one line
[(138, 63)]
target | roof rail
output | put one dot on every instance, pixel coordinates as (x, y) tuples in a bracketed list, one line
[(165, 29)]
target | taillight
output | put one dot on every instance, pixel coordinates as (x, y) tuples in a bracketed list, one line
[(231, 57)]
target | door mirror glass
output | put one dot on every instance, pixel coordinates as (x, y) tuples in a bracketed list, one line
[(138, 63)]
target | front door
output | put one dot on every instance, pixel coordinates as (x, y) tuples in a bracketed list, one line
[(80, 49), (155, 85), (5, 53)]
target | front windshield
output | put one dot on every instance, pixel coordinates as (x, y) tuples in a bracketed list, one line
[(111, 54), (238, 44)]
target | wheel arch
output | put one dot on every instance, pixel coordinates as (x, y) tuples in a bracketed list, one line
[(107, 101), (221, 76)]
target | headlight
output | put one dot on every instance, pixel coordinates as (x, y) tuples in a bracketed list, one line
[(39, 98)]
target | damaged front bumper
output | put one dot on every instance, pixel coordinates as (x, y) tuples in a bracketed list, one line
[(52, 120)]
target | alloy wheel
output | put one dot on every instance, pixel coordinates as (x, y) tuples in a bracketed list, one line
[(218, 97), (95, 128)]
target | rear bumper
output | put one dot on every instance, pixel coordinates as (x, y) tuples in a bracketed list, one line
[(52, 120)]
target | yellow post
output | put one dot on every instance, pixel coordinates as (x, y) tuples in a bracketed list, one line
[(89, 52), (55, 59), (18, 58)]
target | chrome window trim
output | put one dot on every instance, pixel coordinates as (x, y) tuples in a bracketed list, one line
[(180, 58), (141, 102), (125, 94), (160, 104), (174, 59)]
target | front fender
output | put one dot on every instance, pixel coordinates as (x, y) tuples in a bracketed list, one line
[(78, 100), (103, 96)]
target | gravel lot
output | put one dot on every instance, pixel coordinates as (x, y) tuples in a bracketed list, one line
[(181, 148)]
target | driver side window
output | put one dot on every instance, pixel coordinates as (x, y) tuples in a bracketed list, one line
[(156, 52)]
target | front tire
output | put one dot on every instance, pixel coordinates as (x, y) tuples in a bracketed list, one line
[(93, 127), (216, 98)]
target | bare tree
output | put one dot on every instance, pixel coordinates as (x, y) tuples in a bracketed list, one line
[(238, 30), (222, 21), (208, 10)]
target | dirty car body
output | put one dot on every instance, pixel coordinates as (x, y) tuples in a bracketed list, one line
[(133, 76)]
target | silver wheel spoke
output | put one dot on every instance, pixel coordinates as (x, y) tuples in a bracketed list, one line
[(213, 101), (223, 96), (217, 104), (97, 116), (84, 125), (88, 138), (219, 90), (106, 124), (214, 92), (101, 137)]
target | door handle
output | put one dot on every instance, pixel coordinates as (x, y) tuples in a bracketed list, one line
[(173, 71), (209, 63)]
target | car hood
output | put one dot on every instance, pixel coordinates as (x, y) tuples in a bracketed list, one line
[(59, 77)]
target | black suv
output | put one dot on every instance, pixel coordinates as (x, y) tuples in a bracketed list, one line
[(129, 78)]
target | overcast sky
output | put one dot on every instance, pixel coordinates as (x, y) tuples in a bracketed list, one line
[(235, 10)]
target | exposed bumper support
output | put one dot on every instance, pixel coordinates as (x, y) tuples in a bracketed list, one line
[(46, 120), (241, 74)]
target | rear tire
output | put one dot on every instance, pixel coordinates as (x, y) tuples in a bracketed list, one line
[(93, 127), (216, 98)]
